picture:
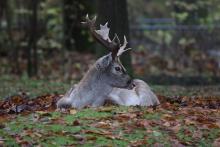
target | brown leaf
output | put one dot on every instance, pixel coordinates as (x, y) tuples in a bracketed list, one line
[(197, 134), (1, 142), (91, 138), (76, 123), (105, 109), (143, 123), (104, 133), (213, 125), (176, 143), (73, 111), (138, 142), (166, 124), (103, 125), (188, 121), (78, 137), (168, 117), (176, 128), (216, 143), (125, 116)]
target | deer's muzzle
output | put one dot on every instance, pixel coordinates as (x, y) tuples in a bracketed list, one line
[(130, 84)]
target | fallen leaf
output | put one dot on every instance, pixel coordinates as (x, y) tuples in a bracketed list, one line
[(216, 143), (168, 117), (197, 134), (166, 124), (73, 111), (188, 121), (105, 109), (43, 113), (143, 123), (125, 116), (176, 143), (102, 125), (76, 123), (176, 128)]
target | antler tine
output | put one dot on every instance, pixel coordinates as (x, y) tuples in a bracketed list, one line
[(116, 40), (122, 48), (102, 35), (90, 22)]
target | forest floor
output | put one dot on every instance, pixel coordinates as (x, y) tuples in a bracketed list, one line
[(187, 116)]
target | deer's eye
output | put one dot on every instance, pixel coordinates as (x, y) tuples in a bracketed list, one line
[(117, 68)]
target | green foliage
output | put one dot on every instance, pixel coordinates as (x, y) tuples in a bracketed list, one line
[(51, 14), (195, 11), (154, 116)]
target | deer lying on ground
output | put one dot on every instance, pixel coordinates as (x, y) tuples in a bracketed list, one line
[(106, 76), (103, 76), (140, 95)]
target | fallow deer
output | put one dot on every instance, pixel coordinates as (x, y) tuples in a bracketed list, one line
[(107, 79), (107, 73)]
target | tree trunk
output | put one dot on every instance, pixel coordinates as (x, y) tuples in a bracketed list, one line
[(73, 12), (3, 6), (32, 48), (115, 12), (11, 45)]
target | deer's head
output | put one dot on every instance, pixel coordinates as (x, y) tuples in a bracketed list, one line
[(109, 66)]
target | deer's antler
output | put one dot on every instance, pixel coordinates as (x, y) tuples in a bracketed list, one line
[(123, 48), (102, 36)]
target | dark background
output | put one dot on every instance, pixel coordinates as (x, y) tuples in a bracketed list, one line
[(173, 41)]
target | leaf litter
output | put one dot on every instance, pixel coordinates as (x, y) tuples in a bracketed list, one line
[(178, 121)]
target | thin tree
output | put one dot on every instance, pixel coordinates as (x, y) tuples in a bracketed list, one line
[(73, 12), (32, 69), (115, 12)]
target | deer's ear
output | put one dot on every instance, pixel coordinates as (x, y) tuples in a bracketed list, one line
[(103, 62)]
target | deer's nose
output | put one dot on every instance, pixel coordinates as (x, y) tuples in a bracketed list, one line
[(133, 85), (129, 82)]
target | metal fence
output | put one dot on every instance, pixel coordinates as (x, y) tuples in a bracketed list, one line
[(166, 47)]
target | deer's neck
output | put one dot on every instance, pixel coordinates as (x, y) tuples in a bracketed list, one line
[(91, 88), (93, 81)]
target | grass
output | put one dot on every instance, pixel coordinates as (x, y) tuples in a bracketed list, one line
[(105, 126), (48, 131), (11, 85)]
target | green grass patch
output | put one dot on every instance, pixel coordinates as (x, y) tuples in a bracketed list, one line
[(11, 85)]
